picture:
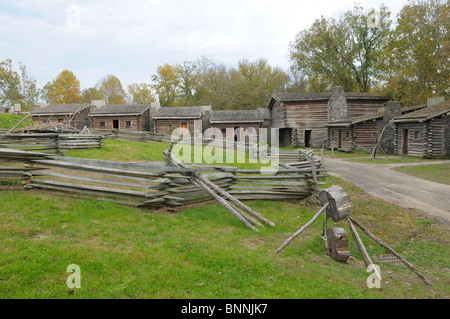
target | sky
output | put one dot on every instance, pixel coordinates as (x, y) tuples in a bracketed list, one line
[(129, 39)]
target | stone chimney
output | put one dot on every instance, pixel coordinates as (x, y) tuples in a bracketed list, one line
[(17, 109), (337, 104), (97, 104), (435, 100), (155, 105), (391, 110)]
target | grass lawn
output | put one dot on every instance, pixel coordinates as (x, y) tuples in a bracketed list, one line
[(126, 151), (205, 252), (9, 120), (439, 173)]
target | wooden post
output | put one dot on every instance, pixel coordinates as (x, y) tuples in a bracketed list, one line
[(314, 173), (322, 157), (324, 234), (386, 246), (337, 244), (222, 192), (332, 151), (360, 244), (301, 229), (20, 122), (340, 204)]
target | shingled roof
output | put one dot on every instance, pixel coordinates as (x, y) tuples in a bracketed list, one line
[(60, 109), (291, 97), (368, 117), (236, 116), (120, 109), (176, 112), (426, 113)]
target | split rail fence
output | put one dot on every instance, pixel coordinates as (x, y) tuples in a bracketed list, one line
[(152, 184), (49, 142)]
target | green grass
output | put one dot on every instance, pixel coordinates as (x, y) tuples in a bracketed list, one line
[(381, 159), (7, 121), (439, 173), (126, 151), (206, 252)]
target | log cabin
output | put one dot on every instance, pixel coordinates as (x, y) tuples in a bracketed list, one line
[(135, 117), (301, 118), (425, 132), (168, 118), (75, 115), (362, 132), (243, 122)]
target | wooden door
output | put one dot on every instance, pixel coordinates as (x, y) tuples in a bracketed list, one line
[(308, 134), (405, 139), (339, 139)]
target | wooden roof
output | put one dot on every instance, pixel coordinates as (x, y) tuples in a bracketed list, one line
[(236, 116), (120, 109), (179, 112), (60, 109), (324, 96), (426, 113), (369, 117)]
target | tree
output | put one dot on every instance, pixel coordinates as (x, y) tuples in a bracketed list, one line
[(65, 88), (91, 94), (29, 90), (421, 53), (10, 85), (140, 93), (166, 83), (111, 89), (349, 51)]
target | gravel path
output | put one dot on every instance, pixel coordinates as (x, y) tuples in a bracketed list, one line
[(380, 180)]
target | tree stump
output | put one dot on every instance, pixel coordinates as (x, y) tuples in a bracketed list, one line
[(340, 204), (337, 244)]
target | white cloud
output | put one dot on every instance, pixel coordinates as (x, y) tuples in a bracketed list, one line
[(130, 38)]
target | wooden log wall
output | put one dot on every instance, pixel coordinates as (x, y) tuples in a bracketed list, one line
[(365, 135), (137, 122), (357, 107), (435, 143), (417, 136), (78, 120)]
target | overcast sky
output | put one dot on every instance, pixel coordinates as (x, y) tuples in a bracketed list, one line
[(131, 38)]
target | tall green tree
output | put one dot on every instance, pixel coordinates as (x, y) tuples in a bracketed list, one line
[(350, 51), (166, 83), (420, 63), (29, 90), (111, 89), (91, 94), (65, 88), (140, 93), (10, 84)]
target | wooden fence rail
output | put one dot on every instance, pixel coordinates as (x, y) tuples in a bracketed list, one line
[(152, 185), (49, 142)]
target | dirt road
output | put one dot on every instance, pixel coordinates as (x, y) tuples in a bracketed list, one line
[(380, 180)]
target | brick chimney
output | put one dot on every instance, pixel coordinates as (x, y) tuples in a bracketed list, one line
[(337, 104)]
